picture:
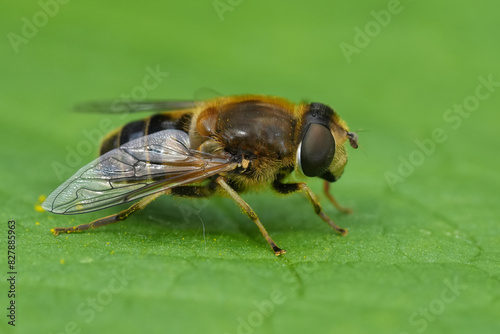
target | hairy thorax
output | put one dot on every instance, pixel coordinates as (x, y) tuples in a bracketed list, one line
[(260, 136)]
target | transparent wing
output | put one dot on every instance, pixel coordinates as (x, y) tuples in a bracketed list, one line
[(151, 164), (206, 93), (120, 107)]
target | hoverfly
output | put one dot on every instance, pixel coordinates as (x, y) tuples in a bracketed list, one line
[(222, 146)]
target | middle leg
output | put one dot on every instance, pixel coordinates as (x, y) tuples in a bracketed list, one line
[(250, 213)]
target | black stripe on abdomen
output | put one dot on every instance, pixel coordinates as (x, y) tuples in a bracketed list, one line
[(143, 127), (110, 142), (160, 122), (132, 131)]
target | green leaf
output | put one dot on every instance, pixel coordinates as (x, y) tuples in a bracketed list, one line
[(422, 253)]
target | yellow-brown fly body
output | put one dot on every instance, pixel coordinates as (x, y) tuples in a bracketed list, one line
[(224, 146)]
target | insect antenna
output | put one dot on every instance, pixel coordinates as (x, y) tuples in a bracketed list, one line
[(361, 147)]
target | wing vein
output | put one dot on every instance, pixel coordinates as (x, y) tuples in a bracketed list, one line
[(145, 166)]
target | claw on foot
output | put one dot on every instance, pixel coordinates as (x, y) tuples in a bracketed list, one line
[(343, 231), (278, 251)]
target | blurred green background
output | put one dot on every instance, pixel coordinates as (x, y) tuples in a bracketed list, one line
[(422, 254)]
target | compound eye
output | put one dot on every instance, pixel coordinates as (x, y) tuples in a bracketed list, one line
[(317, 150)]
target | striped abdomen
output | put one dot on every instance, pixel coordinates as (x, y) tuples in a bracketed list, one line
[(137, 129)]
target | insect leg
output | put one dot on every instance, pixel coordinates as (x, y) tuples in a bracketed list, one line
[(109, 219), (250, 213), (287, 188), (319, 210), (326, 189)]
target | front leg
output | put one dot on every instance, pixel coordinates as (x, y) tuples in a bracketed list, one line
[(287, 188)]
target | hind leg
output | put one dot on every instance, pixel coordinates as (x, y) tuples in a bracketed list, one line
[(109, 219), (187, 191)]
